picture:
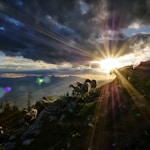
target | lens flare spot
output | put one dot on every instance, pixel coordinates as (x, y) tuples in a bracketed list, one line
[(39, 81), (7, 89), (47, 79)]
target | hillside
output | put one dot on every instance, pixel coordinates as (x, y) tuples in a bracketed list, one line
[(116, 116)]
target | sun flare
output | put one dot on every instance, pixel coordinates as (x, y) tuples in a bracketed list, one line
[(108, 64)]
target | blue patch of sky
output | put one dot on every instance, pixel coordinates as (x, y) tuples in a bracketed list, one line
[(13, 21), (10, 23), (83, 7), (131, 31), (66, 31)]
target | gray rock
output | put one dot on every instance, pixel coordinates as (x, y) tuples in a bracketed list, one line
[(9, 146), (27, 142), (12, 137)]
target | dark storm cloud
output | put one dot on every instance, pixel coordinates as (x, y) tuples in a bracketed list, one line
[(124, 12), (57, 30), (46, 38), (101, 16)]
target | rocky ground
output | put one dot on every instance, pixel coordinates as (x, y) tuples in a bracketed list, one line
[(116, 116)]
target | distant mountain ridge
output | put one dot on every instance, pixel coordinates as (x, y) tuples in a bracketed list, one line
[(21, 86)]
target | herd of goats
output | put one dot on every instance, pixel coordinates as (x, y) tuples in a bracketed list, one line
[(80, 90), (84, 89)]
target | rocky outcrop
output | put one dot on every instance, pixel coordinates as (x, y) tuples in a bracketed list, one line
[(114, 117)]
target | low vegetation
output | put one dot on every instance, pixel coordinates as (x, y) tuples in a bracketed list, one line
[(116, 116)]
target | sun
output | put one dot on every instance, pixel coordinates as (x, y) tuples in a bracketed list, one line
[(108, 64)]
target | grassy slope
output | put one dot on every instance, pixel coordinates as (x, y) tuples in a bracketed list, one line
[(118, 121)]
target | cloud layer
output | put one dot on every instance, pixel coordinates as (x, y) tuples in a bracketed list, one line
[(72, 32)]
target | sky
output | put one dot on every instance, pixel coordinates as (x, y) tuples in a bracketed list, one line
[(72, 37)]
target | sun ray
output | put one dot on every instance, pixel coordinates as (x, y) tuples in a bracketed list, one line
[(98, 109), (134, 92), (116, 108)]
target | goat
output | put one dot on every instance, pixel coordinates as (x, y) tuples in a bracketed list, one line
[(33, 113), (1, 130), (76, 89), (83, 88), (92, 86)]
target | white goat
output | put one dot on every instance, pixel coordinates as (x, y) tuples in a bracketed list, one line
[(76, 89), (89, 88), (91, 85), (33, 113), (1, 130)]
